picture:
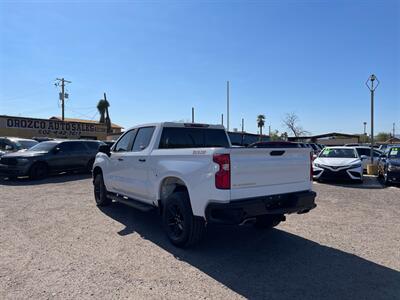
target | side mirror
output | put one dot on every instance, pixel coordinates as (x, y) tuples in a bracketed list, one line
[(56, 150), (363, 157), (105, 149), (9, 148)]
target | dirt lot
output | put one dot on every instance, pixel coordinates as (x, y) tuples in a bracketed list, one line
[(55, 243)]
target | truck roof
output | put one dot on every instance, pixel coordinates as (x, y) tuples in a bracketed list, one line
[(180, 124)]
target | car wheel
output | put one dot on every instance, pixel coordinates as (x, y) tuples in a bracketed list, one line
[(100, 191), (38, 171), (181, 226), (268, 221)]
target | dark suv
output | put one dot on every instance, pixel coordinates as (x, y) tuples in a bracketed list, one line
[(389, 165), (50, 157)]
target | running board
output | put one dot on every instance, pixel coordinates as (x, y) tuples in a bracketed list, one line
[(131, 202)]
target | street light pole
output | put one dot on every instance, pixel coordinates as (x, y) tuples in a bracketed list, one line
[(365, 132), (372, 89)]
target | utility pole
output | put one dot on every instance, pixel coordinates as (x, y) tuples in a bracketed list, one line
[(372, 89), (269, 131), (227, 105), (63, 96), (192, 114), (222, 119), (242, 124), (394, 130)]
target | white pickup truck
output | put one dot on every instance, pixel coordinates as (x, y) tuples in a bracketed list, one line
[(192, 175)]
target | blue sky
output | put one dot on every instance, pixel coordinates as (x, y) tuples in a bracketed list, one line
[(156, 60)]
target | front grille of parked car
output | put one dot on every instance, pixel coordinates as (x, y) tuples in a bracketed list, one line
[(8, 161)]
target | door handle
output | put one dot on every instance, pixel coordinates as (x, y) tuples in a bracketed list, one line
[(142, 159), (120, 159)]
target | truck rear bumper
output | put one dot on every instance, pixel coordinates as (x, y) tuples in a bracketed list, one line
[(235, 212)]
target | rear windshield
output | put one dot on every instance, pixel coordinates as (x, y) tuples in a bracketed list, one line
[(177, 137), (339, 153)]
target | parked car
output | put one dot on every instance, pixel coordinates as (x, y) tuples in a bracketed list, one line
[(338, 163), (385, 147), (274, 144), (50, 157), (192, 175), (389, 165), (13, 144), (366, 151), (42, 139), (315, 148)]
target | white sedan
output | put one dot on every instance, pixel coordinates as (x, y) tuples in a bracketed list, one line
[(338, 163)]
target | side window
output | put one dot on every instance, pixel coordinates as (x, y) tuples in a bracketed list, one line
[(93, 146), (66, 147), (125, 142), (362, 151), (143, 138), (78, 147), (377, 154)]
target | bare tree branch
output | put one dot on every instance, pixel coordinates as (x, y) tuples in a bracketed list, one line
[(291, 122)]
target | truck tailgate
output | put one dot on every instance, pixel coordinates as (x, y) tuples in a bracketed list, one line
[(269, 171)]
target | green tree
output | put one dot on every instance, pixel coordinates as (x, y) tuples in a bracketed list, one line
[(260, 123), (275, 135), (382, 136)]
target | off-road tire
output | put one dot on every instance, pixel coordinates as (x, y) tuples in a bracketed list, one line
[(181, 226), (100, 191)]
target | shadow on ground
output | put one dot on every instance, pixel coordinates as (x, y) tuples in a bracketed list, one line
[(270, 264), (368, 183), (58, 178)]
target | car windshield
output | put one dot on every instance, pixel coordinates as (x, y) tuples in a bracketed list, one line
[(339, 153), (26, 144), (44, 146), (394, 152)]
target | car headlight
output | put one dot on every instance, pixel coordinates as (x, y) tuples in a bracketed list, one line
[(317, 165), (355, 166), (22, 161)]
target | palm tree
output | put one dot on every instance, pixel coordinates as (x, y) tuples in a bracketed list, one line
[(260, 123), (102, 107)]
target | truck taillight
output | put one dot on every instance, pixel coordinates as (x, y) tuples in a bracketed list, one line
[(223, 175)]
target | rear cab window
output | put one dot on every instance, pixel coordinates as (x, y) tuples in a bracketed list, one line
[(181, 137)]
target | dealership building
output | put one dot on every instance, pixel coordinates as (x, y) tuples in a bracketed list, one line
[(54, 127)]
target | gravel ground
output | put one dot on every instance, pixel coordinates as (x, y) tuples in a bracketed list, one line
[(55, 243)]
